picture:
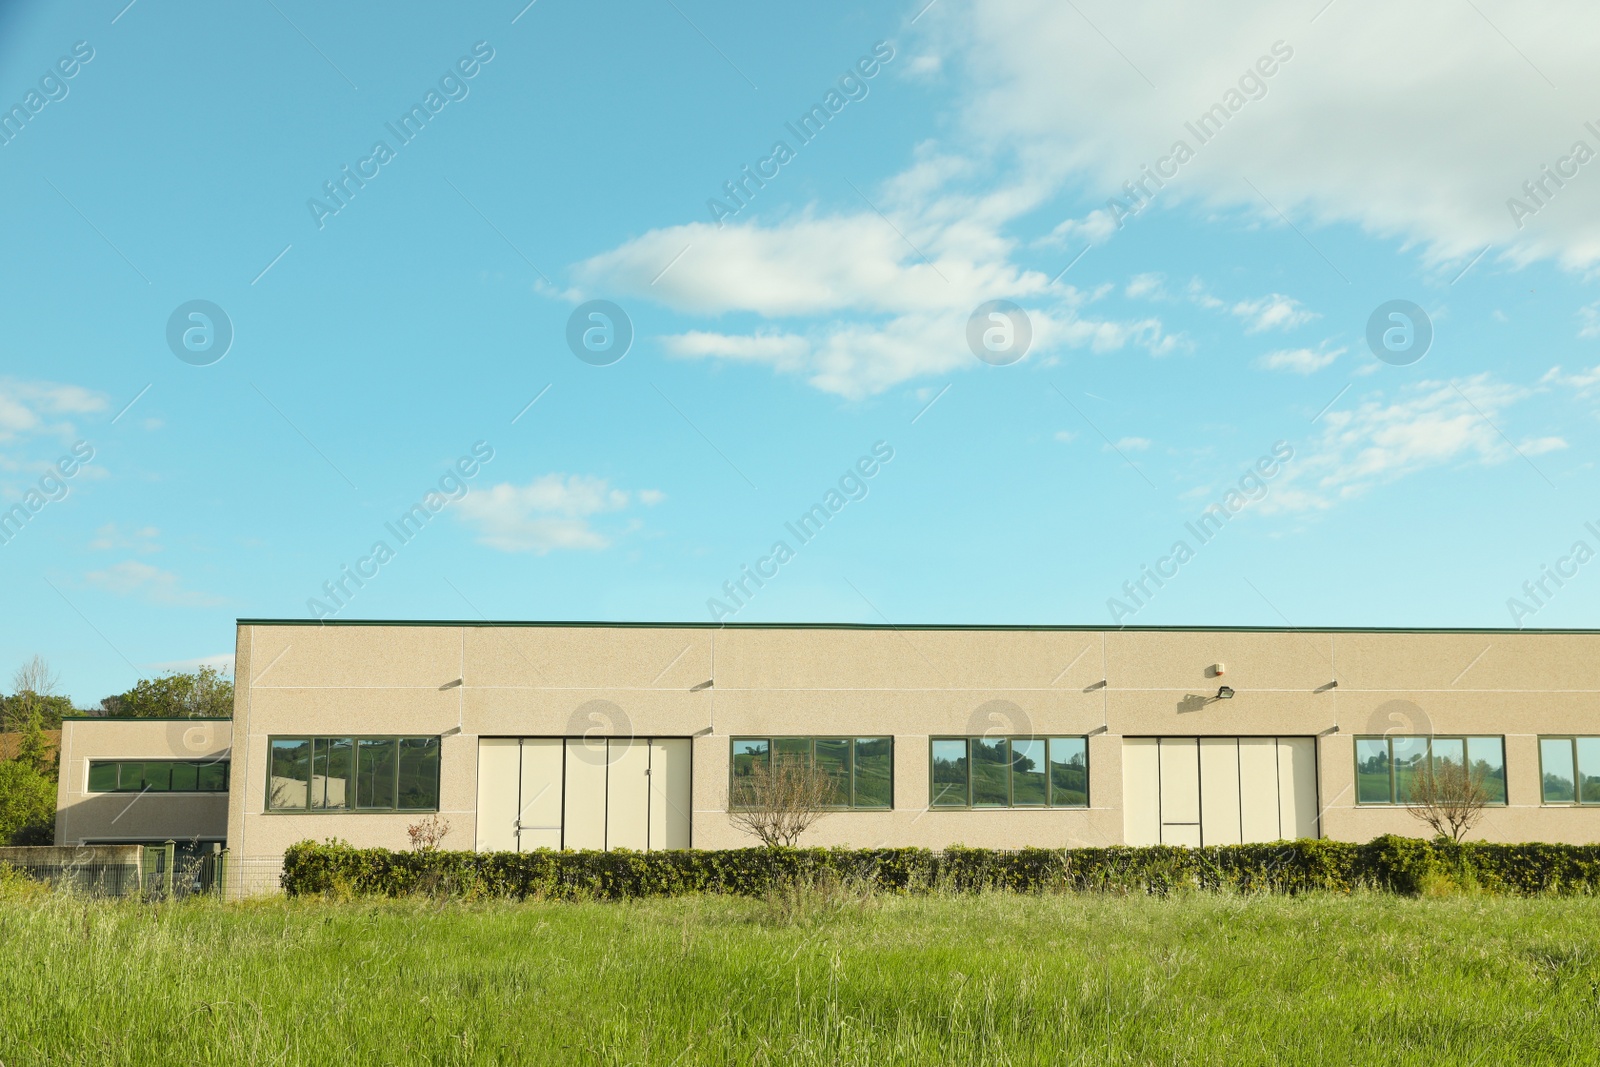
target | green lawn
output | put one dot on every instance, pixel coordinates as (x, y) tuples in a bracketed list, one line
[(837, 979)]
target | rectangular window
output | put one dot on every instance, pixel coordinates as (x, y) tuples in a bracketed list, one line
[(1570, 769), (353, 774), (158, 776), (1387, 766), (949, 776), (861, 769), (1009, 772)]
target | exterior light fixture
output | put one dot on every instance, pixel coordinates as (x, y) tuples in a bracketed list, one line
[(1225, 693)]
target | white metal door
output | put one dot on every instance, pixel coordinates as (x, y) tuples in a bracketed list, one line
[(497, 794)]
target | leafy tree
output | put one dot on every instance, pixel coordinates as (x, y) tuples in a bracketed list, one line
[(27, 805), (33, 748), (204, 693)]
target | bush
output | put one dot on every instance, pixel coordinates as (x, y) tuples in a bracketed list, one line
[(27, 805), (1395, 864)]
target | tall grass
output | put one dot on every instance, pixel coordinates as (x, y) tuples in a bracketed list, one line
[(828, 973)]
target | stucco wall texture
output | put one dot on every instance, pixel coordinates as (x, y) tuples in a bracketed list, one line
[(470, 680)]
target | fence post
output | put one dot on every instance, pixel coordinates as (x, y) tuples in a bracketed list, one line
[(170, 853), (221, 873)]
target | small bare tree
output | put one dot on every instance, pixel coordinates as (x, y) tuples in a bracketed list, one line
[(35, 676), (1449, 797), (780, 799)]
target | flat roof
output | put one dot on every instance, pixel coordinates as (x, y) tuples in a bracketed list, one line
[(1018, 627), (147, 718)]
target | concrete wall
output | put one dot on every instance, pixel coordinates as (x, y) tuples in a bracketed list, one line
[(108, 817), (910, 683)]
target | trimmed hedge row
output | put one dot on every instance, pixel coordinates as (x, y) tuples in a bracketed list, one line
[(1397, 864)]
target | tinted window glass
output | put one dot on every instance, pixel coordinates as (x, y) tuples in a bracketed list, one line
[(1588, 770), (1488, 759), (991, 777), (1409, 754), (1029, 781), (950, 773), (376, 764), (332, 771), (1372, 771), (102, 777), (419, 774), (747, 755), (185, 777), (288, 784), (1069, 772), (874, 772), (1555, 758), (213, 777), (833, 759), (1449, 750)]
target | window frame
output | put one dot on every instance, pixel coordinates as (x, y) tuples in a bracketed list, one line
[(144, 788), (1010, 764), (1577, 800), (854, 741), (353, 788), (1392, 764)]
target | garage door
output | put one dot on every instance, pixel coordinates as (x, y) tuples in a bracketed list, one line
[(577, 793), (1218, 790)]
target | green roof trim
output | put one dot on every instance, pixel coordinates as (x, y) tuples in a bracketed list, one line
[(147, 718), (1003, 627)]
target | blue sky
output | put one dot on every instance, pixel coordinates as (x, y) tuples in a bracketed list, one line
[(1357, 154)]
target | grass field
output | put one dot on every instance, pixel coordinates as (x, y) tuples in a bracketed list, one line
[(813, 978)]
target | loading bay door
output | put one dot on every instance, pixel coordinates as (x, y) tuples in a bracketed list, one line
[(1218, 790), (576, 792)]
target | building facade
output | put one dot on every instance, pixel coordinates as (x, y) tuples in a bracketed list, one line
[(523, 736), (144, 781)]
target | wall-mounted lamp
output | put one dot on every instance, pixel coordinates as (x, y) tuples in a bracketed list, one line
[(703, 685), (1225, 693), (451, 732)]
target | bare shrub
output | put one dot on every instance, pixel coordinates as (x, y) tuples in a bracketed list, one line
[(427, 834), (1449, 797), (780, 799)]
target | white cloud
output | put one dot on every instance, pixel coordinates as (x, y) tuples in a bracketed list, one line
[(1431, 424), (549, 513), (886, 299), (1359, 125), (152, 584), (1300, 360), (1065, 436), (1590, 315), (1132, 444), (1581, 383), (1275, 312), (222, 661), (1146, 285), (30, 408), (110, 536)]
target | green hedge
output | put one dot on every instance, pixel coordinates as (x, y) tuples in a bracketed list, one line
[(1398, 864)]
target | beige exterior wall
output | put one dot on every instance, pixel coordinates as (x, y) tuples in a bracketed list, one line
[(468, 681), (82, 816)]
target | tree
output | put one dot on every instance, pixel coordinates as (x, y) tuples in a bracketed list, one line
[(779, 799), (206, 693), (27, 805), (1449, 797), (33, 687), (33, 749)]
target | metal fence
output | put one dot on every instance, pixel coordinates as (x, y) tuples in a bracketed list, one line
[(167, 871)]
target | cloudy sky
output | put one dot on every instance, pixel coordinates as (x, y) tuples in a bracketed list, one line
[(1012, 290)]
